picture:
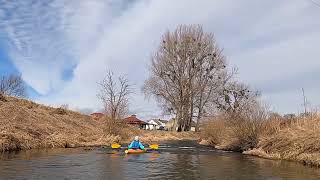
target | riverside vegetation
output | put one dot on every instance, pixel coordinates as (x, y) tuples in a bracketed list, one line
[(260, 134), (28, 125)]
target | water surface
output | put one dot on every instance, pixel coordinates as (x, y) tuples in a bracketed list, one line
[(174, 160)]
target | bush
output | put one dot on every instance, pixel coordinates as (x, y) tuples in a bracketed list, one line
[(237, 131), (63, 109), (214, 131), (2, 98), (117, 127)]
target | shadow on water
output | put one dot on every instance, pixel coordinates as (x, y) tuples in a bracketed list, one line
[(174, 160)]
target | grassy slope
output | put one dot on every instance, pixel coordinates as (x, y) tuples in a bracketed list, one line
[(297, 141), (27, 125)]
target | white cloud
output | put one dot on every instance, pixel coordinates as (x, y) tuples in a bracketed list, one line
[(266, 40)]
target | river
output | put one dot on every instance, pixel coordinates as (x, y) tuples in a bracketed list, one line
[(173, 160)]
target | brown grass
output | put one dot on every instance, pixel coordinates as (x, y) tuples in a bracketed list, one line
[(150, 137), (235, 132), (25, 125), (28, 125), (274, 138), (298, 140)]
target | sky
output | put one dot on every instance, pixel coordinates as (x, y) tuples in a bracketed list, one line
[(62, 48)]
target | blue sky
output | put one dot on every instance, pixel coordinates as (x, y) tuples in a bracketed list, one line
[(7, 68), (62, 48)]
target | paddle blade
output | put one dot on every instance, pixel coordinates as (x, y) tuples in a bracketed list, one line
[(115, 146), (154, 146)]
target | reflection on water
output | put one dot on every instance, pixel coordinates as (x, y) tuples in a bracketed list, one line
[(169, 163)]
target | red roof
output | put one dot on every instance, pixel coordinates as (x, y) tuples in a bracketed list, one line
[(134, 120)]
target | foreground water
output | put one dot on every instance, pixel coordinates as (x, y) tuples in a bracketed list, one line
[(174, 160)]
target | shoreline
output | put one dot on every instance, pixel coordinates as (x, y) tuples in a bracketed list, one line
[(307, 159), (27, 125), (153, 137)]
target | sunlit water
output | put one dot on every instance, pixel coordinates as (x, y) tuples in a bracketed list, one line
[(172, 161)]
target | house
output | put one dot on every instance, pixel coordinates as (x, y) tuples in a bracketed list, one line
[(156, 124), (172, 125), (134, 121), (96, 115)]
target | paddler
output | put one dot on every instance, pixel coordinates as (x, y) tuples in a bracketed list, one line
[(136, 144)]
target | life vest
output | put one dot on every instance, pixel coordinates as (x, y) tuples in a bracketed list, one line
[(135, 145)]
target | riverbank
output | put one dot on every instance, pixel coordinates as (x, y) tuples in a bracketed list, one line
[(274, 138), (28, 125), (298, 140)]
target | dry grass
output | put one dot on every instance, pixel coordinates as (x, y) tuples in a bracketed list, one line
[(295, 139), (236, 132), (25, 125), (28, 125), (298, 140), (150, 137)]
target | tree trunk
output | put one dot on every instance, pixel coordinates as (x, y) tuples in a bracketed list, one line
[(198, 121)]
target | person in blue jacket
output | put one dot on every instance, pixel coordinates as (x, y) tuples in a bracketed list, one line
[(136, 144)]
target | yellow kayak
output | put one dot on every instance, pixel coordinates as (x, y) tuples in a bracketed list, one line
[(134, 151)]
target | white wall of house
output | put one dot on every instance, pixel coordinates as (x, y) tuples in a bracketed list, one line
[(155, 124), (151, 127)]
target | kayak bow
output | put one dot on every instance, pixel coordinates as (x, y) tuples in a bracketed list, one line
[(134, 151)]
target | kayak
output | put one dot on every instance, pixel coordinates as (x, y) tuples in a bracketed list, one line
[(134, 151)]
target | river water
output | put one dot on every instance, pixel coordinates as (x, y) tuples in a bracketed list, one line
[(173, 160)]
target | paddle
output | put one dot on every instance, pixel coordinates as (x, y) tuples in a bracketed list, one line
[(115, 146), (154, 146), (151, 146)]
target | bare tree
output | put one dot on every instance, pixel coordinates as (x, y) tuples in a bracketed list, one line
[(185, 72), (236, 98), (114, 94), (12, 85)]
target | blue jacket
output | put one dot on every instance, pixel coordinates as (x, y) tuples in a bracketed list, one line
[(135, 145)]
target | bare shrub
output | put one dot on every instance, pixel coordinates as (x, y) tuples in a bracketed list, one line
[(118, 128), (214, 131), (247, 127), (237, 131), (2, 98), (63, 109), (12, 85), (114, 95)]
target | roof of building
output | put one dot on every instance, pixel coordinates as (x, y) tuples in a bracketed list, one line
[(158, 121), (134, 120), (163, 121)]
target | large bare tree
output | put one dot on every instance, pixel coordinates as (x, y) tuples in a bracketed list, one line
[(114, 94), (185, 72), (12, 85)]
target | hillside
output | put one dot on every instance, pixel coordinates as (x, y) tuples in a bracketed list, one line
[(25, 125), (28, 125)]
